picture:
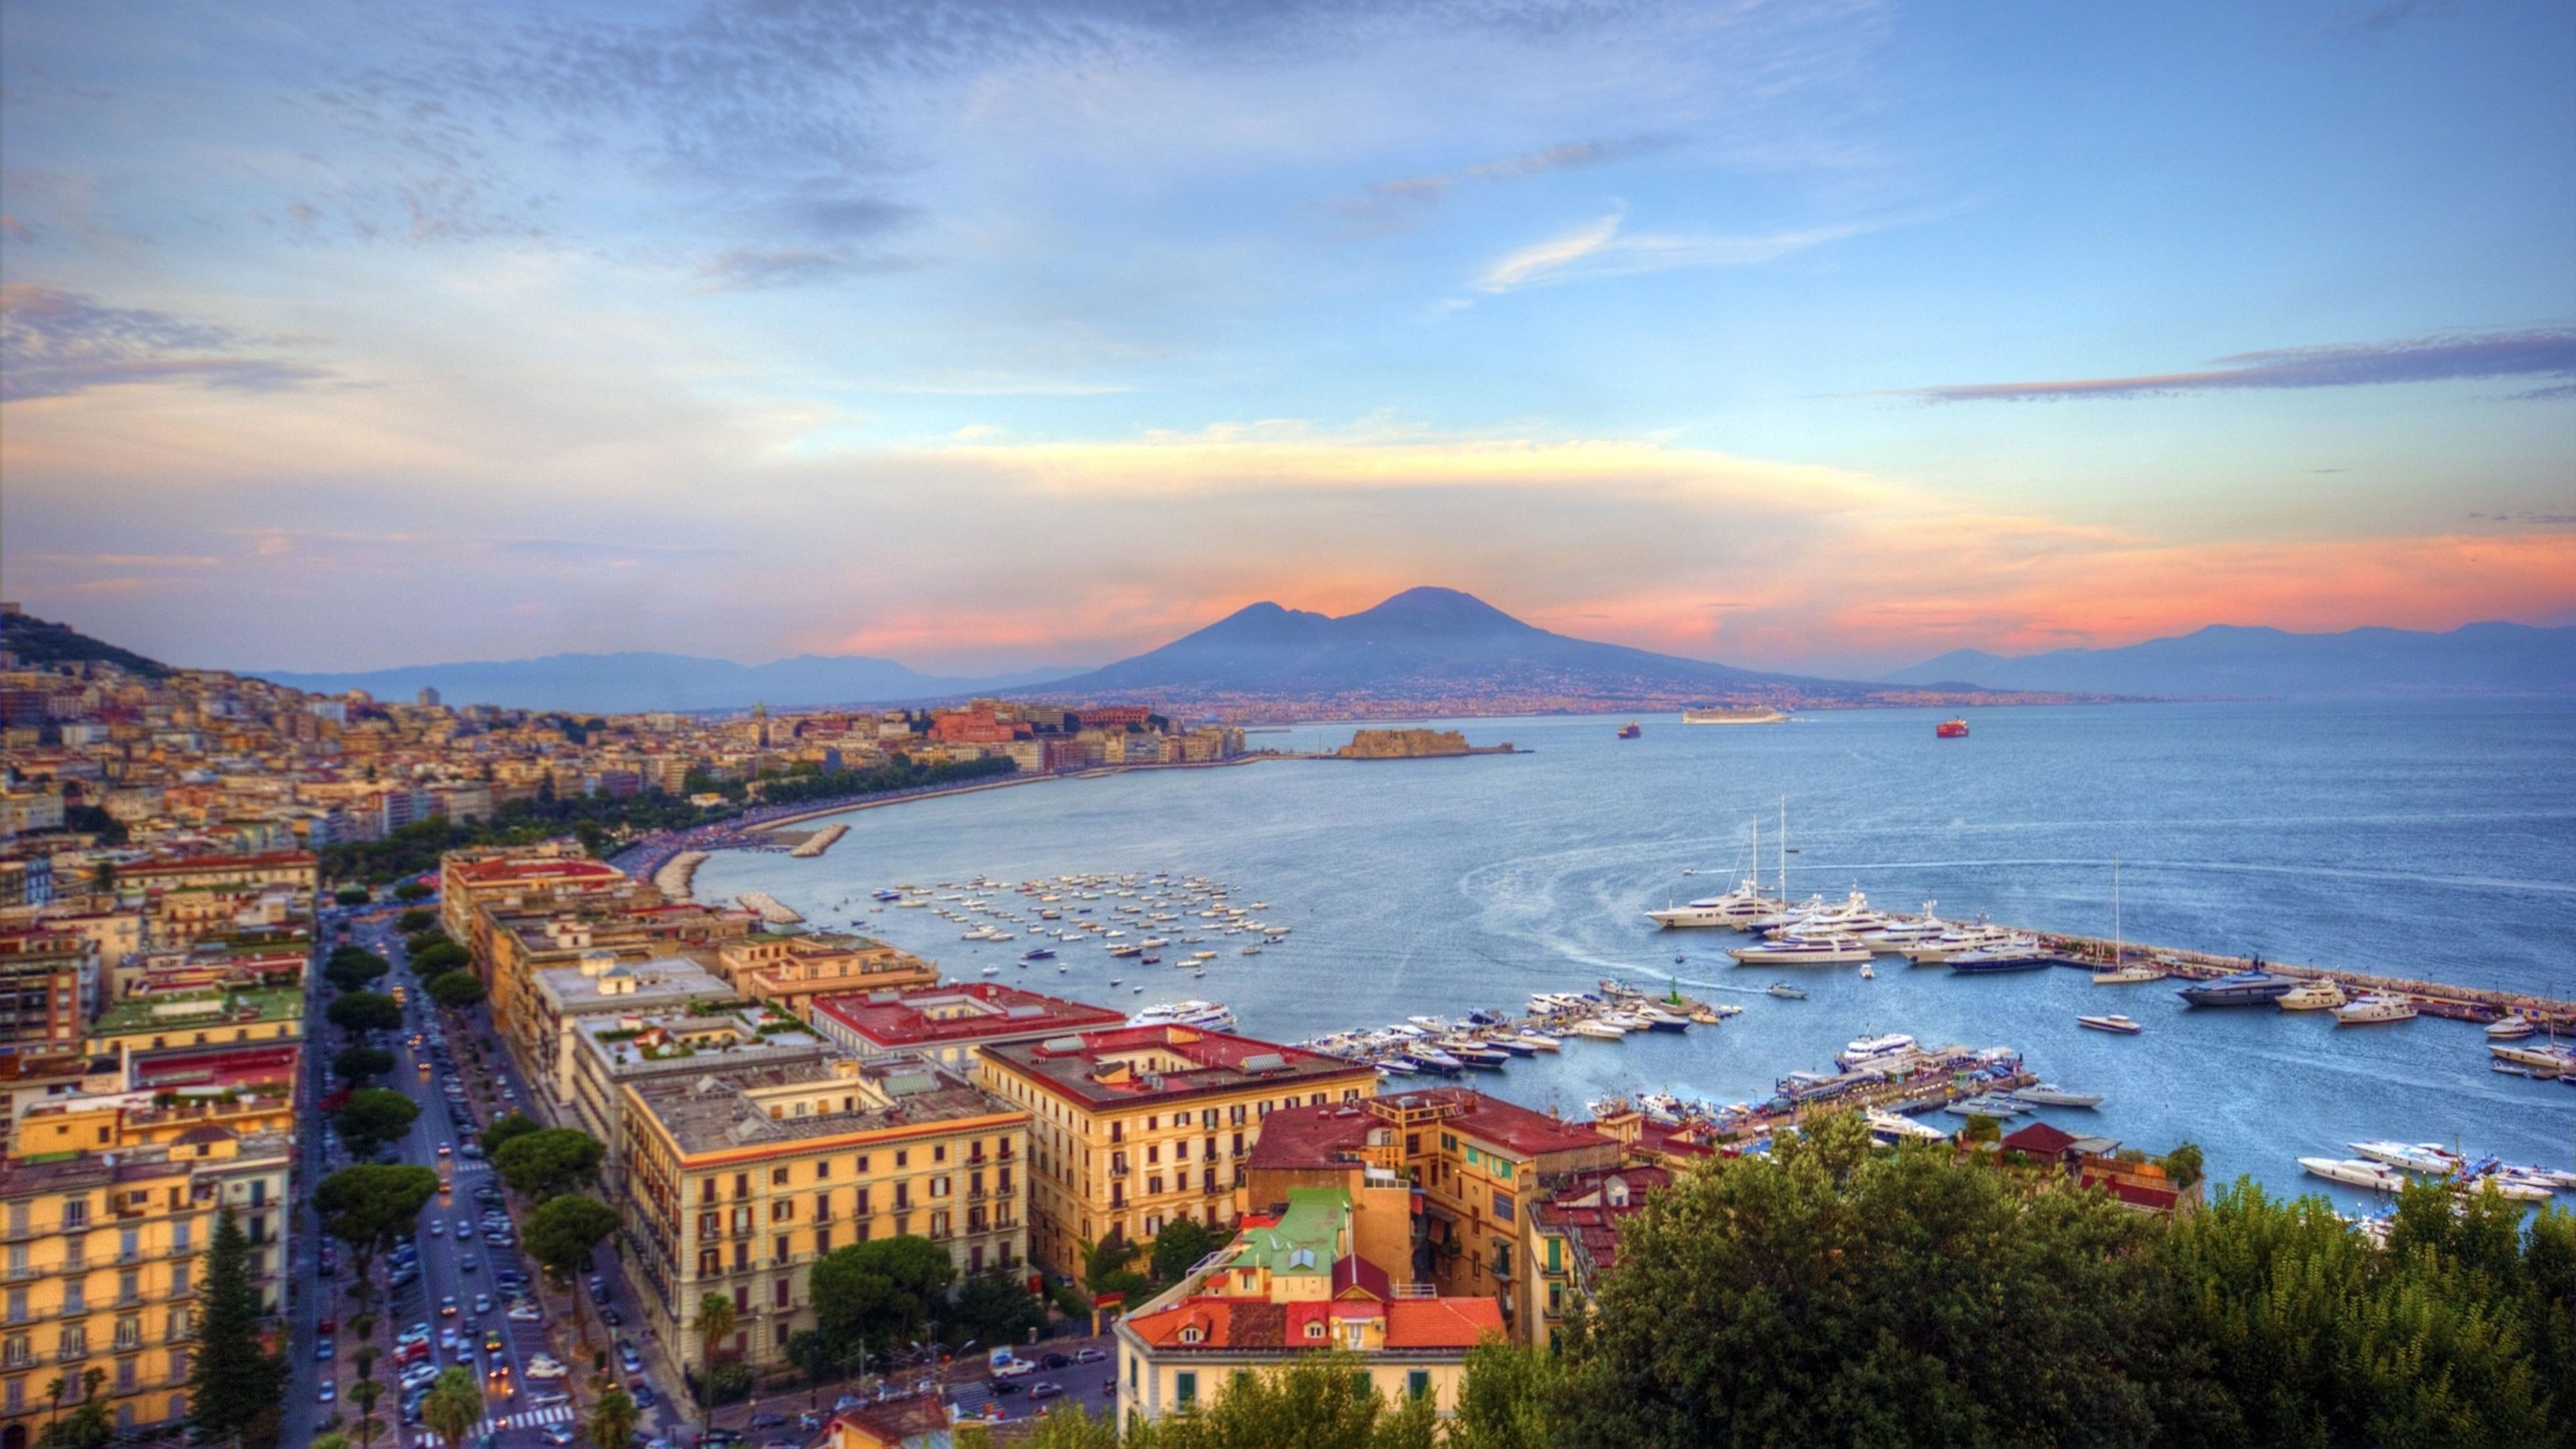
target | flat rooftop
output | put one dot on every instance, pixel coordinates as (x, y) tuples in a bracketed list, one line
[(185, 1010), (647, 985), (730, 1109), (1516, 1129), (1102, 1069), (927, 1016)]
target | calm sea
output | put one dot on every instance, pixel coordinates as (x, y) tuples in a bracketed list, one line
[(2434, 841)]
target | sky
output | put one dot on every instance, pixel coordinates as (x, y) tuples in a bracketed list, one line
[(1827, 335)]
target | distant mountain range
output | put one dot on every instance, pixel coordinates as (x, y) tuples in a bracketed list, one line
[(635, 683), (2228, 660), (1427, 645)]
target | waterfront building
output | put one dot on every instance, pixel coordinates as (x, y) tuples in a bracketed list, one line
[(1297, 1280), (949, 1023), (738, 1179), (790, 969), (1135, 1127)]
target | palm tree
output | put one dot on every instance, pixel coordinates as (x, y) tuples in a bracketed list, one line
[(453, 1408), (715, 1321), (54, 1388), (613, 1420)]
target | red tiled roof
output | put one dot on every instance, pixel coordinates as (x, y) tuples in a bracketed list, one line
[(1326, 1136), (1441, 1322), (2039, 1139), (1355, 1274), (485, 872), (1516, 1129)]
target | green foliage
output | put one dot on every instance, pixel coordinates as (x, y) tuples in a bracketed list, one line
[(504, 1128), (235, 1385), (352, 895), (612, 1421), (439, 956), (1067, 1425), (371, 1207), (359, 1012), (1181, 1243), (351, 968), (415, 920), (454, 990), (1102, 1259), (42, 643), (2182, 1164), (94, 820), (561, 1234), (1514, 1398), (454, 1406), (881, 1291), (372, 1117), (548, 1161), (412, 890), (729, 1382), (1321, 1401), (993, 1308), (359, 1065), (714, 1325)]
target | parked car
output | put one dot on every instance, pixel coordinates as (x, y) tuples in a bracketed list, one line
[(329, 1391), (768, 1421), (322, 1350), (633, 1362), (1045, 1389), (1090, 1355), (1055, 1361), (1011, 1368)]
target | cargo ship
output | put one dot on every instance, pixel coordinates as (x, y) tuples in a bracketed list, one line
[(1951, 729), (1629, 731)]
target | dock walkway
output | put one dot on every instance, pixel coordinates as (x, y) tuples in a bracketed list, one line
[(2432, 998)]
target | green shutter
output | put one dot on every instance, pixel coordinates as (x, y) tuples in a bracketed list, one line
[(1418, 1384), (1185, 1387)]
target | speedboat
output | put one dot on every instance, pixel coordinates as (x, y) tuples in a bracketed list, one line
[(1539, 1041), (1597, 1030), (1991, 1106), (2429, 1157), (2512, 1028), (2315, 996), (2355, 1172), (2041, 1094), (1889, 1127), (2245, 988), (2551, 1058), (1040, 953), (1658, 1019), (2113, 1023), (1784, 991), (2375, 1008)]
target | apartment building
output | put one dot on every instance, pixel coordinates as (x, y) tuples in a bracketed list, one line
[(1299, 1281), (47, 978), (1135, 1127), (102, 1253), (949, 1023), (236, 1017), (738, 1179), (790, 970), (602, 986), (677, 1042)]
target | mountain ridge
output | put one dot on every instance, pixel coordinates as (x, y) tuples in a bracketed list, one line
[(2258, 661), (637, 681)]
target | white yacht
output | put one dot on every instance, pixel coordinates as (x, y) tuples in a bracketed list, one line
[(1737, 909), (2128, 976), (2375, 1008), (1205, 1015), (2512, 1028), (2315, 996), (1958, 938), (2549, 1058), (2429, 1157), (1893, 1049), (1908, 930), (2355, 1172), (1844, 950)]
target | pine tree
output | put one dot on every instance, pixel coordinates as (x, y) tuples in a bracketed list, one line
[(237, 1386)]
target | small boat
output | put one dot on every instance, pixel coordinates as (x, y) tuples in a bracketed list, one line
[(2043, 1095), (1597, 1030), (1539, 1041), (1040, 953), (1784, 991), (2429, 1157), (2375, 1008), (2551, 1060), (1630, 731), (2315, 996), (1399, 1066), (2114, 1023), (1867, 972), (1950, 729), (1991, 1106), (2128, 976), (1250, 951), (2512, 1028), (2355, 1172), (992, 970)]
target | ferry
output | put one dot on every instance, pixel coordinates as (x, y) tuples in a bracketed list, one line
[(1630, 731), (1892, 1049), (1951, 729), (2112, 1023)]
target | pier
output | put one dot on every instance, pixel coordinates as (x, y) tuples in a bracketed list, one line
[(2432, 998), (818, 842)]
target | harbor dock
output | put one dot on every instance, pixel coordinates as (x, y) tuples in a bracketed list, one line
[(2432, 998)]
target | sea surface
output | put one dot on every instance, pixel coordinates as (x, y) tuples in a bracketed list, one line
[(2434, 841)]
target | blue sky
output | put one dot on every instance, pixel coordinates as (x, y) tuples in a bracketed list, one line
[(1821, 335)]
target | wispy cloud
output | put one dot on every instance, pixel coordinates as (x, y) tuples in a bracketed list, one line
[(1601, 249), (2445, 357), (747, 269), (1402, 202), (56, 344)]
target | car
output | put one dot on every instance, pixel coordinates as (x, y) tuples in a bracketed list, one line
[(419, 1376), (1045, 1389), (449, 1340), (643, 1396), (1090, 1355), (329, 1391), (419, 1331), (525, 1313), (781, 1444), (491, 1340), (547, 1398), (1005, 1386), (464, 1226), (1011, 1368), (322, 1350), (544, 1366), (721, 1438), (447, 1306), (768, 1421), (482, 1303), (328, 1326), (847, 1402), (471, 1152), (555, 1434), (438, 1227), (1055, 1360), (468, 1263), (612, 1318)]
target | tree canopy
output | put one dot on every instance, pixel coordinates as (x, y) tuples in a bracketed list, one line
[(993, 1308), (454, 1406), (359, 1012), (372, 1117), (505, 1127), (350, 968), (1323, 1400), (454, 990), (1181, 1243), (439, 956), (235, 1386), (548, 1161), (372, 1207), (359, 1065), (881, 1291)]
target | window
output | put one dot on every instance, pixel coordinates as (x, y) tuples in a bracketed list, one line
[(823, 1170), (778, 1295), (779, 1248), (742, 1184), (1315, 1328), (1502, 1206), (822, 1241), (782, 1210), (778, 1177), (863, 1164), (903, 1158), (1417, 1384), (939, 1152), (1185, 1385), (939, 1186)]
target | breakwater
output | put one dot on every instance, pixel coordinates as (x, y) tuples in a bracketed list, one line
[(2432, 998), (820, 841)]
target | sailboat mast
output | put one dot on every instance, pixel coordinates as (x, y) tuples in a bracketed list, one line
[(2115, 912), (1784, 852)]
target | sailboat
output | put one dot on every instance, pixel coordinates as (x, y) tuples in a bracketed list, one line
[(2120, 975)]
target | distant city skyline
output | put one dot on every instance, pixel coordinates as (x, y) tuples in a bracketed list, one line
[(1824, 338)]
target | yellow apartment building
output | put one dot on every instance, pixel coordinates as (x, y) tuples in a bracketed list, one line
[(1140, 1126), (789, 971), (737, 1180)]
